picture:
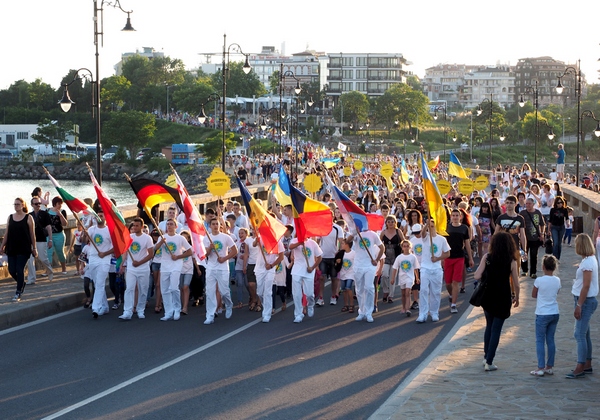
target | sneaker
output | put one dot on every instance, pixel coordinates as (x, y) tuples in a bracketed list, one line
[(524, 273), (375, 309), (360, 317), (453, 309), (333, 300), (95, 315), (462, 290), (30, 283), (310, 312), (370, 318), (43, 275), (228, 312), (64, 272), (51, 276), (176, 316), (320, 302), (489, 368), (408, 314), (266, 319), (435, 318), (421, 320), (141, 316), (16, 298), (537, 372), (116, 306), (534, 276), (414, 306), (209, 321), (166, 318), (125, 317), (298, 319)]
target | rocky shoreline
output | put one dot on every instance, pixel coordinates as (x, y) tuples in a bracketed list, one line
[(193, 177)]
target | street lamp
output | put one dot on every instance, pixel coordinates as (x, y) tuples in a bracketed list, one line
[(66, 102), (435, 117), (537, 128), (225, 74), (213, 97), (297, 90), (168, 86), (559, 89), (479, 111)]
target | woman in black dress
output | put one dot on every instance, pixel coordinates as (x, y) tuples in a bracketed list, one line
[(502, 290), (19, 244)]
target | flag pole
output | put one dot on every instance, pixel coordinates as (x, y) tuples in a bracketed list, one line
[(426, 201)]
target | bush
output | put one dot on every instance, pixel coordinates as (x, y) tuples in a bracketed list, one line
[(158, 164)]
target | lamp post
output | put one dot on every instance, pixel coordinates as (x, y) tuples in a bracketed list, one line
[(537, 128), (297, 89), (559, 89), (213, 97), (435, 117), (225, 74), (479, 111), (66, 102), (168, 86)]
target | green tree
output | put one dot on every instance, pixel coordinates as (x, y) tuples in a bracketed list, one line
[(239, 83), (191, 95), (114, 92), (131, 130), (212, 148), (403, 104), (355, 108), (41, 95), (52, 132), (481, 123)]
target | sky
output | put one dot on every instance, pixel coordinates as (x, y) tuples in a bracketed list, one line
[(44, 38)]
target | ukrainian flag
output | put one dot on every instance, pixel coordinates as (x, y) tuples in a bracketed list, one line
[(282, 188), (455, 168), (435, 204)]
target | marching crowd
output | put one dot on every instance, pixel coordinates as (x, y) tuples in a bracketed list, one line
[(495, 234)]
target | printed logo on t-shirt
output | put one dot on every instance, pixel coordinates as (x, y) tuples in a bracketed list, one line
[(418, 249), (405, 266), (347, 264), (306, 251), (135, 247), (363, 242), (435, 249), (172, 247), (218, 245), (98, 239), (159, 252), (279, 268)]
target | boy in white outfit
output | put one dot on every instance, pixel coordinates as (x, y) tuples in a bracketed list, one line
[(99, 263), (266, 266)]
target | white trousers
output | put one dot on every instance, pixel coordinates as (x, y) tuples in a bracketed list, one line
[(141, 280), (42, 248), (214, 277), (264, 289), (431, 291), (364, 280), (169, 288), (98, 274), (300, 284)]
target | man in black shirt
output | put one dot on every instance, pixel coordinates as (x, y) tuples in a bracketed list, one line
[(512, 223), (534, 232), (43, 229), (459, 241)]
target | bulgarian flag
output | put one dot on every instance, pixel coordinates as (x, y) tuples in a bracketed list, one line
[(119, 232), (75, 204), (192, 215)]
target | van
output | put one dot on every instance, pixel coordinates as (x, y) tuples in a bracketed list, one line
[(67, 157)]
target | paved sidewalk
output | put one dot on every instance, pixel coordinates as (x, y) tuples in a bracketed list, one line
[(452, 383)]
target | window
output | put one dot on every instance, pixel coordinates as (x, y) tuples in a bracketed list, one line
[(348, 74), (10, 140), (361, 61), (348, 61), (22, 135)]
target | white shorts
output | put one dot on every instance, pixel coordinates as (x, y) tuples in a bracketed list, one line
[(560, 168), (406, 283)]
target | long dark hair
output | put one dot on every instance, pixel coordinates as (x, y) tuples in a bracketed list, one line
[(502, 249)]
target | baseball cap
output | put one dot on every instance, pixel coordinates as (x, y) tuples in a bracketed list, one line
[(416, 227)]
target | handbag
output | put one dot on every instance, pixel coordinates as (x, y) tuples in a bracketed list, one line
[(479, 292)]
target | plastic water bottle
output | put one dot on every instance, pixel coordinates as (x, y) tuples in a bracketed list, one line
[(523, 255)]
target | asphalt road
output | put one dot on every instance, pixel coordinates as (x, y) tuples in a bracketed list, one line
[(329, 366)]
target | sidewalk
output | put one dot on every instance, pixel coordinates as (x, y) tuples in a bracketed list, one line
[(42, 299), (452, 383)]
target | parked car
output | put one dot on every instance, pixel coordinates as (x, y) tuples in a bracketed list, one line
[(67, 157), (107, 156)]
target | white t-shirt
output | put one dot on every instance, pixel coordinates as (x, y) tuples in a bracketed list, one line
[(280, 272), (587, 264), (163, 227), (100, 237), (440, 245), (406, 266), (139, 251), (371, 241), (311, 250), (329, 243), (417, 247), (347, 270), (177, 244), (548, 287), (253, 251), (223, 243), (271, 258), (188, 265)]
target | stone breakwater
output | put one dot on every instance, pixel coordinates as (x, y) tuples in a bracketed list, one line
[(193, 177)]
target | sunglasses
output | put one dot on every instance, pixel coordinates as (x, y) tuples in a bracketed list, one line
[(36, 204)]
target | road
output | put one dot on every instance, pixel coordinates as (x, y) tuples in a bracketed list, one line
[(329, 366)]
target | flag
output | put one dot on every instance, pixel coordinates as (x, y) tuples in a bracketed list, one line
[(435, 205), (311, 217), (192, 216), (455, 168), (404, 173), (282, 189), (433, 164), (150, 193), (270, 229), (75, 204), (352, 214), (342, 146), (329, 162), (119, 232)]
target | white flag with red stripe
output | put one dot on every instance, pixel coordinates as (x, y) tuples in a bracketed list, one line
[(194, 222)]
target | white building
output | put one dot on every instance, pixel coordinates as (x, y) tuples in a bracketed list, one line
[(148, 52), (498, 81)]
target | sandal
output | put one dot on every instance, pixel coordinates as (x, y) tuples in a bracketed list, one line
[(345, 309), (240, 305), (87, 303), (183, 312), (283, 306), (252, 306), (157, 309), (351, 310), (258, 308), (390, 300)]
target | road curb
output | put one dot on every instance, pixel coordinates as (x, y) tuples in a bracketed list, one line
[(19, 315)]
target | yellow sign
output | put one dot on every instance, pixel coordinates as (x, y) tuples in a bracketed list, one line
[(444, 186), (386, 170), (313, 183), (171, 181), (468, 171), (481, 182), (465, 187), (347, 171), (218, 183), (358, 165)]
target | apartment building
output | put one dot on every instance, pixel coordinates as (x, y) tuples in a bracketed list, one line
[(496, 83)]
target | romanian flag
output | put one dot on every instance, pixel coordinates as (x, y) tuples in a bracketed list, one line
[(268, 228), (192, 216), (352, 214), (150, 193), (435, 205), (455, 168), (119, 232), (311, 217), (282, 188), (75, 204)]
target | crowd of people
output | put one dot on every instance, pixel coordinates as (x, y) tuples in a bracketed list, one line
[(493, 232)]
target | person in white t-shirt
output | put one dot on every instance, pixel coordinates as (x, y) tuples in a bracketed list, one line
[(220, 248), (171, 214), (139, 255), (99, 257), (369, 251), (435, 249), (307, 257), (330, 245), (545, 290), (405, 271), (174, 249), (346, 275), (265, 269), (417, 248)]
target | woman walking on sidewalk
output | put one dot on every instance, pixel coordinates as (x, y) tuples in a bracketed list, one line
[(585, 290), (19, 244), (545, 290), (502, 270)]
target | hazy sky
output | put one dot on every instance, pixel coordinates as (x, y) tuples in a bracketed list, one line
[(45, 38)]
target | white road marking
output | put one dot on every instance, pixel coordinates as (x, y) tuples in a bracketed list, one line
[(39, 321)]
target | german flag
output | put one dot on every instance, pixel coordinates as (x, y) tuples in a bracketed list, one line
[(151, 193)]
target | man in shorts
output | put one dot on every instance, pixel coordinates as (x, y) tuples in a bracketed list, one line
[(560, 163)]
